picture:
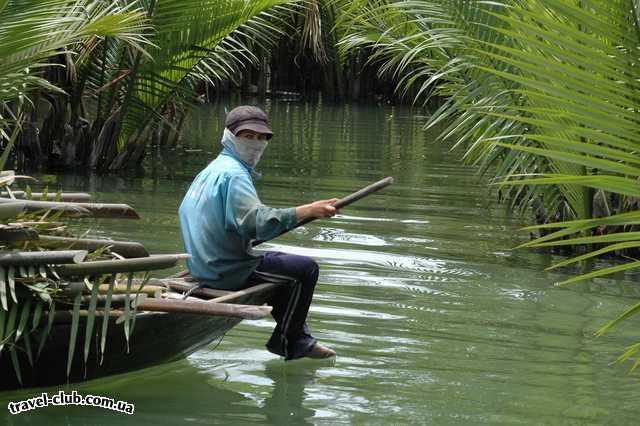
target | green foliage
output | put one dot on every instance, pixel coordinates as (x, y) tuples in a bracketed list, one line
[(195, 41), (27, 293), (112, 73), (542, 94), (33, 31)]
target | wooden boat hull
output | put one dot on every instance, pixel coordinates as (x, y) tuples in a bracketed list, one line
[(157, 338)]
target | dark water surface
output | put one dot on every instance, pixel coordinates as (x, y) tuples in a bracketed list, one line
[(436, 320)]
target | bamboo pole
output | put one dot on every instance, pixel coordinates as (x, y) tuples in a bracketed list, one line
[(11, 209), (343, 202), (128, 249), (149, 290), (171, 306), (124, 265), (116, 299), (250, 312), (67, 209), (17, 233), (28, 258), (121, 211), (77, 197)]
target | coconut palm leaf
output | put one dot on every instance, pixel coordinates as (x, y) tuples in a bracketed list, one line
[(34, 30), (543, 94), (27, 348), (2, 321), (16, 364), (127, 310), (24, 316), (105, 317), (199, 40), (615, 184), (9, 333), (75, 323), (37, 315), (3, 289), (44, 334), (602, 272), (12, 282), (91, 316)]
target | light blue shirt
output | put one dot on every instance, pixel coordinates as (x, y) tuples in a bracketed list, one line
[(220, 216)]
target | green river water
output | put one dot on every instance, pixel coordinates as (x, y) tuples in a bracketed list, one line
[(435, 318)]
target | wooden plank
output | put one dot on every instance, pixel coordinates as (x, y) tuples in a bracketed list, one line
[(247, 291), (249, 312)]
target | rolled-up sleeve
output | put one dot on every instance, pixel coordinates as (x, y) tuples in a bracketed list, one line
[(245, 213)]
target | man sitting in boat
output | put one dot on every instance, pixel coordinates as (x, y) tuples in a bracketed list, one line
[(221, 215)]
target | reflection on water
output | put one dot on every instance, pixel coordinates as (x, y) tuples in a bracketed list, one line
[(191, 395), (434, 317)]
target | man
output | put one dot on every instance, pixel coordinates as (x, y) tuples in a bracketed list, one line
[(221, 215)]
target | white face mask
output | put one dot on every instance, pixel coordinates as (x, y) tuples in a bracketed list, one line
[(249, 150)]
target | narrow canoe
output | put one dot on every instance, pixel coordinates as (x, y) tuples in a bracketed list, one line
[(157, 338)]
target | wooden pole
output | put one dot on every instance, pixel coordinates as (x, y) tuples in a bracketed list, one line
[(100, 267), (121, 211), (128, 249), (11, 210), (67, 209), (352, 198), (343, 202), (78, 197), (149, 290), (250, 312), (27, 258), (17, 233), (116, 299)]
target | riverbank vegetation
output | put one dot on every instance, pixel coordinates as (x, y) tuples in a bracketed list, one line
[(543, 95), (93, 81)]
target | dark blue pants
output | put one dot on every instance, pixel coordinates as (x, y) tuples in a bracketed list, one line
[(290, 338)]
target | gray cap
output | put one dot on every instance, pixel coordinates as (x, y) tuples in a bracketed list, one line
[(247, 117)]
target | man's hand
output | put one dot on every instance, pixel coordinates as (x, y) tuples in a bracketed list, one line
[(317, 209)]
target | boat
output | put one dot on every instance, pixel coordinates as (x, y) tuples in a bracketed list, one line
[(156, 338), (167, 318)]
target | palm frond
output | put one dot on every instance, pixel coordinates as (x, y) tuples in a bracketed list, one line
[(543, 94), (32, 31), (201, 41)]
